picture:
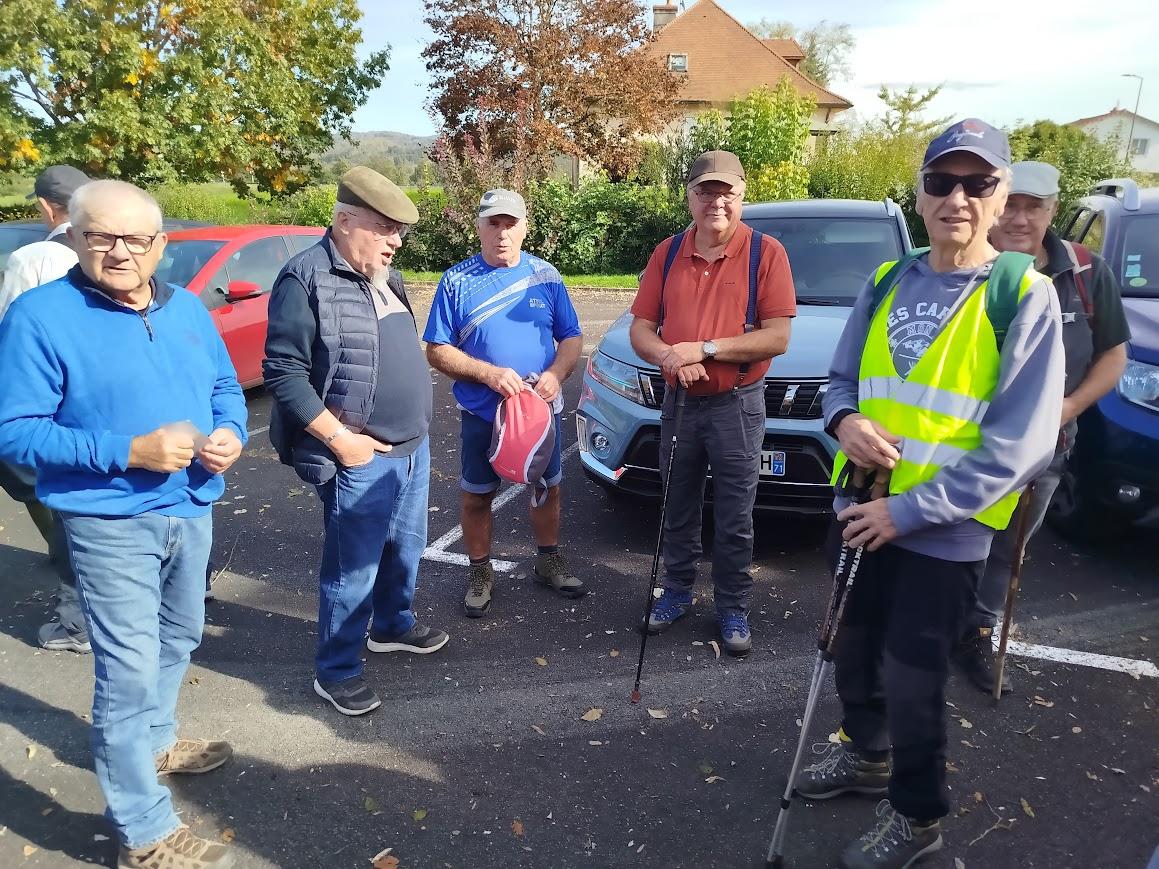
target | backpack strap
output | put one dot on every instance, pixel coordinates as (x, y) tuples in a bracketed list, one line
[(669, 258), (1083, 261), (756, 247), (888, 275), (1002, 290)]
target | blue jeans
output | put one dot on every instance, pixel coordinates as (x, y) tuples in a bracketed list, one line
[(375, 518), (141, 583)]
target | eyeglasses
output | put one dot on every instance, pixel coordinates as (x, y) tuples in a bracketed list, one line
[(977, 186), (383, 229), (103, 242), (713, 195)]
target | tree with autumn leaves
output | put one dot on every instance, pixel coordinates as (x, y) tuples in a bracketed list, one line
[(250, 91), (549, 78)]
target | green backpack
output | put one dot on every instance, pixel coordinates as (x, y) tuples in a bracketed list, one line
[(1001, 287)]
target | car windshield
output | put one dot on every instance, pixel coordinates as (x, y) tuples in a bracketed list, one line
[(832, 257), (184, 258), (1139, 267)]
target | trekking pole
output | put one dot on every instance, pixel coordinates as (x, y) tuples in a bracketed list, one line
[(1015, 581), (861, 487), (666, 484)]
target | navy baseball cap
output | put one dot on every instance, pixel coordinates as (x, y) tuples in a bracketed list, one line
[(974, 136)]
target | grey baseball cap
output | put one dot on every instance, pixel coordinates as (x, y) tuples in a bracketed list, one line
[(1034, 178), (58, 183), (500, 201)]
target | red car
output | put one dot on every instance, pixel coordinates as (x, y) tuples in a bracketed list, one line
[(232, 269)]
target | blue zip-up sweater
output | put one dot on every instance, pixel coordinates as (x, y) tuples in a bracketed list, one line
[(83, 375)]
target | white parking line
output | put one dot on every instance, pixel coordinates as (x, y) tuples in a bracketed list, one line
[(1082, 659), (258, 431), (437, 551)]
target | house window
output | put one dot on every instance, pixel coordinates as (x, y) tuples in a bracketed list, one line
[(1138, 146), (678, 63)]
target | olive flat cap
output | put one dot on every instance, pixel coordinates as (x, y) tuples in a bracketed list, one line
[(364, 187)]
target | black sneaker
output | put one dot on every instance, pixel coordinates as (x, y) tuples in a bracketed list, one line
[(895, 842), (421, 640), (350, 697), (842, 770), (975, 657)]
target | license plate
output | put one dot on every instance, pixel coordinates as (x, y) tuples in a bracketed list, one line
[(772, 463)]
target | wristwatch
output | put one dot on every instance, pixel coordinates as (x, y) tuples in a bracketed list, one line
[(708, 348)]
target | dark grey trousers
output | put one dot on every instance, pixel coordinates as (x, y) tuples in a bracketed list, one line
[(724, 432)]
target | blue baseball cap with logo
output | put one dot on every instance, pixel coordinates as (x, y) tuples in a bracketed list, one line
[(973, 136)]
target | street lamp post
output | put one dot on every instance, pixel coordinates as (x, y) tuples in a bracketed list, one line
[(1135, 114)]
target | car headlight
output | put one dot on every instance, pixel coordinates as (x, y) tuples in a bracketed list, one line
[(1140, 384), (621, 378)]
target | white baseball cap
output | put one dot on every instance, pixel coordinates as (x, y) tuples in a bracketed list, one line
[(1034, 179)]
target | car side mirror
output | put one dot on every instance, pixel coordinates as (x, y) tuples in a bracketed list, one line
[(239, 290)]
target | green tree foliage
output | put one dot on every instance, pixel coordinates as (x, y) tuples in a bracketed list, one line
[(249, 91), (1081, 158), (826, 46), (905, 112)]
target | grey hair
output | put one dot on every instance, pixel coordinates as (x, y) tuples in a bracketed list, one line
[(81, 203)]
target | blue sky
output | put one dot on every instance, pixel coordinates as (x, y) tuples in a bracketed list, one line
[(1001, 60)]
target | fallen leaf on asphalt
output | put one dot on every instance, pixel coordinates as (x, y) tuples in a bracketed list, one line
[(1026, 807), (614, 654), (592, 714), (541, 662), (978, 797), (959, 863), (370, 804), (31, 751), (594, 742), (538, 729), (713, 779), (1092, 776), (966, 724), (950, 767), (517, 827), (1076, 730), (1118, 771), (29, 850), (384, 860), (697, 643), (1042, 701), (44, 813), (658, 713), (228, 835), (419, 814), (715, 647)]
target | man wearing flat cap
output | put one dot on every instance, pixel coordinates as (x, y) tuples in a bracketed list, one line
[(352, 409), (502, 322), (1094, 341), (713, 310), (30, 266)]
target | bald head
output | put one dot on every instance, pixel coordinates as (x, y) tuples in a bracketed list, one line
[(101, 200)]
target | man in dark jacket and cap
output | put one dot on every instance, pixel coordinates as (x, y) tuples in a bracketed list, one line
[(353, 403)]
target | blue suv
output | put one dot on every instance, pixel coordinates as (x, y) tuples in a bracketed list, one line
[(833, 245), (1113, 473)]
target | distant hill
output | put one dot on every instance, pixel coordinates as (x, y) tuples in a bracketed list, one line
[(401, 157)]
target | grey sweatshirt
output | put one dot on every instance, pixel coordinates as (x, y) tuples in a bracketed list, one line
[(1019, 428)]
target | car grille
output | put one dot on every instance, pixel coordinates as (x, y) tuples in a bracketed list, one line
[(784, 399)]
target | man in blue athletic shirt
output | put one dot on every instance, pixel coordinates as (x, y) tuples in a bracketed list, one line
[(499, 321)]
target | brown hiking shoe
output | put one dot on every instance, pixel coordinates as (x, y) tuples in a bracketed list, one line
[(179, 850), (551, 570), (480, 582), (193, 757)]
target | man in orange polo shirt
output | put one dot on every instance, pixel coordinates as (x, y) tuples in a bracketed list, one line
[(712, 311)]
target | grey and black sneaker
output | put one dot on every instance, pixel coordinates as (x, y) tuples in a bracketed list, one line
[(480, 583), (895, 842), (552, 570), (842, 770), (350, 697), (975, 656), (419, 640), (57, 638)]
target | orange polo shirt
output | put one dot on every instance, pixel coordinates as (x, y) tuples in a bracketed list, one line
[(705, 300)]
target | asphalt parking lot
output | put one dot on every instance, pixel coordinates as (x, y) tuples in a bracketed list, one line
[(480, 756)]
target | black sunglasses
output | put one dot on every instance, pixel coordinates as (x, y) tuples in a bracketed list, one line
[(977, 186)]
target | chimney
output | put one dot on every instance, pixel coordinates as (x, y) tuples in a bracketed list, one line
[(662, 15)]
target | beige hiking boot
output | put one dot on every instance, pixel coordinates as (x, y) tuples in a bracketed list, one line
[(179, 850), (193, 757), (552, 570), (480, 582)]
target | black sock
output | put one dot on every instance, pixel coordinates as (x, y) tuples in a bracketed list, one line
[(549, 550), (486, 559)]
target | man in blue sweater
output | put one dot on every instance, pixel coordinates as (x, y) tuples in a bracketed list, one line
[(111, 382)]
